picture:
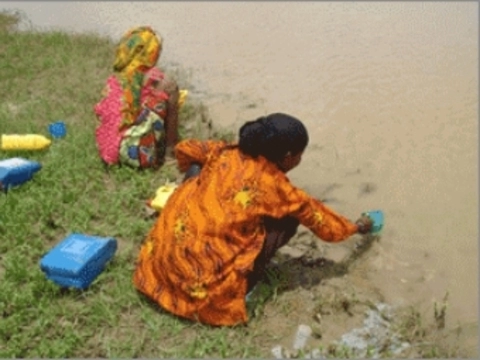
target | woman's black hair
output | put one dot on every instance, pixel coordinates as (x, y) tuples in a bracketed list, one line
[(273, 137)]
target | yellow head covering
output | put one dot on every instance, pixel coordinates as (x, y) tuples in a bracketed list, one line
[(139, 49), (137, 52)]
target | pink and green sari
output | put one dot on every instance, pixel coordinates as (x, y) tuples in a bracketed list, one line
[(132, 111)]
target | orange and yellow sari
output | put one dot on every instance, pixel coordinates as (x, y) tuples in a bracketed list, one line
[(196, 259)]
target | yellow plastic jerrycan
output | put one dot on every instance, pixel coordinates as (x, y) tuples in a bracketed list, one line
[(162, 194), (24, 142)]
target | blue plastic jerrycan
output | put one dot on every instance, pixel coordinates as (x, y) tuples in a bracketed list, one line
[(78, 259), (16, 171)]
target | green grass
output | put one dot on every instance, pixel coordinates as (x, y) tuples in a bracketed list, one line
[(46, 77)]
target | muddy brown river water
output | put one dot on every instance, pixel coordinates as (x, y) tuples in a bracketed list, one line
[(389, 92)]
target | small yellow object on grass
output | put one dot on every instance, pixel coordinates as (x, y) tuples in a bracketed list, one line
[(162, 194), (25, 142)]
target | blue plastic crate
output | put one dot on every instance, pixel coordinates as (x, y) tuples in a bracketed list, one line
[(16, 171), (78, 259)]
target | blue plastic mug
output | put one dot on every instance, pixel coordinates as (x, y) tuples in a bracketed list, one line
[(378, 220), (57, 129)]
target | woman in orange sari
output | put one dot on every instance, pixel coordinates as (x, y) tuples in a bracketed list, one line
[(221, 226)]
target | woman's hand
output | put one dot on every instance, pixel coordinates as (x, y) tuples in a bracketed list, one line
[(170, 155), (364, 225)]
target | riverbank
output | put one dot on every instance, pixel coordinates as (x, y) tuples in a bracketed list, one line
[(52, 76)]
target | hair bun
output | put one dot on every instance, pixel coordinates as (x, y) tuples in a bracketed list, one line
[(252, 135)]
